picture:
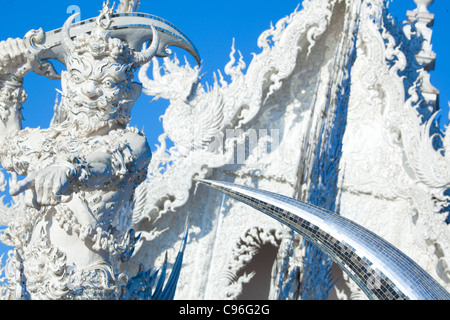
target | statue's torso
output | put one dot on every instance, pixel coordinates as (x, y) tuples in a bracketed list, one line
[(88, 229)]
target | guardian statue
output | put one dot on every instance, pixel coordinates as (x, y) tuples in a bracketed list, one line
[(81, 172)]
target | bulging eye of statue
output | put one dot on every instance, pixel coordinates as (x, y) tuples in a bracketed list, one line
[(75, 77), (109, 83)]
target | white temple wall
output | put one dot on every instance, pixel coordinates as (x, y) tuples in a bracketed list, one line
[(297, 110), (328, 86)]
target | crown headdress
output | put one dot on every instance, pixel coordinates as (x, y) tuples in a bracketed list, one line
[(100, 42), (121, 35)]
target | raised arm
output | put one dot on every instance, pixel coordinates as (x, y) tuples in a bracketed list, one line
[(15, 62), (112, 169)]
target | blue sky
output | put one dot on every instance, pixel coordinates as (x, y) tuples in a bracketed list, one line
[(211, 25)]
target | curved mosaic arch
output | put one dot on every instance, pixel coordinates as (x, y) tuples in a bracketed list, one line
[(381, 270)]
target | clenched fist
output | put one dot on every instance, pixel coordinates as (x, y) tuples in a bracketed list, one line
[(15, 59)]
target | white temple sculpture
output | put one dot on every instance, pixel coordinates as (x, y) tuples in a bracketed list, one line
[(337, 110), (74, 234)]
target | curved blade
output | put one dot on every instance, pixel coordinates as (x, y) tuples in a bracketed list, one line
[(134, 28)]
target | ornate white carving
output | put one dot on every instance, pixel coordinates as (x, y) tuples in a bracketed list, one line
[(393, 171), (70, 223), (247, 247), (275, 92), (223, 106)]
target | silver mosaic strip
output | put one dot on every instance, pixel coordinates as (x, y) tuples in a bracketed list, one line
[(381, 270)]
